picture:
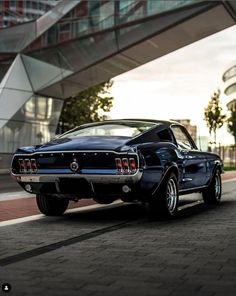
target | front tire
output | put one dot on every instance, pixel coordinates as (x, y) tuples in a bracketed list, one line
[(212, 195), (51, 206), (164, 203)]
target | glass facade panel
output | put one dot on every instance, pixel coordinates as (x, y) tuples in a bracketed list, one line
[(17, 77), (15, 39), (89, 17), (12, 100), (51, 56), (78, 54), (51, 35), (131, 10), (71, 88), (101, 15), (42, 74), (154, 6), (4, 66), (55, 89), (83, 53), (13, 12), (34, 123), (55, 14), (138, 32), (94, 16), (128, 35)]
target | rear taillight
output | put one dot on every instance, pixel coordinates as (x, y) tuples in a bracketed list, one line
[(126, 166), (119, 165), (132, 165), (27, 165), (33, 165), (22, 165)]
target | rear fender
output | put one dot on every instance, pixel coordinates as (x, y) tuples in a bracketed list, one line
[(158, 154), (218, 166), (173, 168)]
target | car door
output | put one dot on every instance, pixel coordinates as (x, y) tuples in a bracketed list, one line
[(194, 164)]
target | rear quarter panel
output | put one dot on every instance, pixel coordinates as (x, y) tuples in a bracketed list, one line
[(158, 159), (213, 163)]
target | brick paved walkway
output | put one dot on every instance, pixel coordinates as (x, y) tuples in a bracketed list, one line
[(24, 207)]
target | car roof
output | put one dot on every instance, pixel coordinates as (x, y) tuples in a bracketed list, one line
[(155, 121)]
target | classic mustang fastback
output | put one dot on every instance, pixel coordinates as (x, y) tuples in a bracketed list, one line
[(130, 159)]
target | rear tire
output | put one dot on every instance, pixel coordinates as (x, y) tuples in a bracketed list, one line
[(51, 206), (212, 195), (164, 203)]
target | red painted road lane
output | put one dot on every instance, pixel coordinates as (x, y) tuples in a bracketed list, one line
[(24, 207), (229, 175)]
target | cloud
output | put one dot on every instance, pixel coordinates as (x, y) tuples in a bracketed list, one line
[(180, 83)]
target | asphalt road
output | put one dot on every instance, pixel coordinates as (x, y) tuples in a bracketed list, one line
[(118, 251)]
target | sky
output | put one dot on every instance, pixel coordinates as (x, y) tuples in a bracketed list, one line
[(178, 85)]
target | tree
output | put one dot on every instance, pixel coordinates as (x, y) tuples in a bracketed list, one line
[(87, 106), (213, 114), (231, 124)]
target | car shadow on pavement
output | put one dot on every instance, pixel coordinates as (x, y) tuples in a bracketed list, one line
[(124, 211), (201, 208), (136, 211)]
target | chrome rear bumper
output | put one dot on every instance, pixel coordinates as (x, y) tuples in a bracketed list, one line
[(130, 179)]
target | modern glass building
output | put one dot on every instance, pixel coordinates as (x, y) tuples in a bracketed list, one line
[(15, 12), (51, 50), (229, 78)]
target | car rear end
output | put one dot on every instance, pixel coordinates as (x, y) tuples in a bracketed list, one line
[(83, 174)]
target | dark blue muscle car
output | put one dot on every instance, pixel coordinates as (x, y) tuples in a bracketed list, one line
[(134, 160)]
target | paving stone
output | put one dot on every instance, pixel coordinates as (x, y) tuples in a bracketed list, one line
[(193, 255)]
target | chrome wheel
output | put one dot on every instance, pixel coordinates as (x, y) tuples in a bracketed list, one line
[(217, 187), (164, 202), (171, 196), (212, 194)]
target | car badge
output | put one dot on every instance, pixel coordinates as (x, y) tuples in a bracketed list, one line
[(74, 166)]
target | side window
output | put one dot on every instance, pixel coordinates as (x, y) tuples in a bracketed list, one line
[(164, 135), (182, 138)]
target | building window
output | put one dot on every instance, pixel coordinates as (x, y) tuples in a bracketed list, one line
[(52, 35), (28, 4), (13, 4), (229, 74), (64, 28), (231, 89), (35, 5), (41, 6)]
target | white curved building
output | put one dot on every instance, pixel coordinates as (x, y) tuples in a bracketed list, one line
[(229, 78)]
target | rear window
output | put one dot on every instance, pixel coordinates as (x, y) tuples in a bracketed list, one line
[(126, 129)]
